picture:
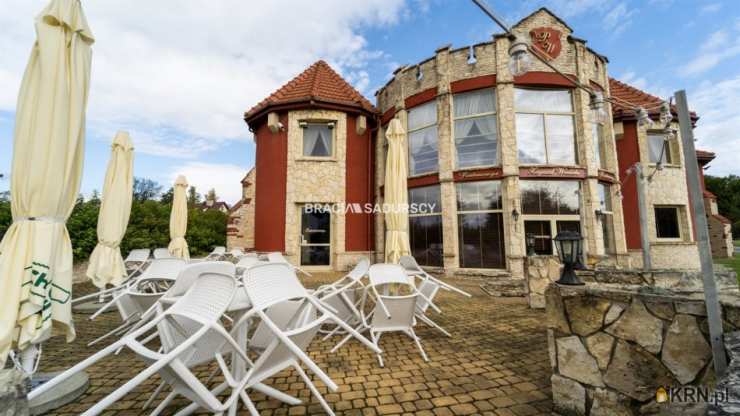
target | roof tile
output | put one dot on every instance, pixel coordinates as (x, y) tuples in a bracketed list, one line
[(319, 82)]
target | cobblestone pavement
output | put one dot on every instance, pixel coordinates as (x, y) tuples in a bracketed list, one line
[(496, 363)]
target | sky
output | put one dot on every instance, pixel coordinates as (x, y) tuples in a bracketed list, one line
[(179, 74)]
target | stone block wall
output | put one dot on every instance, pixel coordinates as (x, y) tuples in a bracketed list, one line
[(612, 346)]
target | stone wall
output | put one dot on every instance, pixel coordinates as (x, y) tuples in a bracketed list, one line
[(240, 228), (612, 346)]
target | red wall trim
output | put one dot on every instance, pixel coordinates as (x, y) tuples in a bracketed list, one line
[(388, 115), (421, 98), (546, 79), (423, 180), (629, 153), (269, 210), (477, 175), (357, 187), (552, 172), (470, 84)]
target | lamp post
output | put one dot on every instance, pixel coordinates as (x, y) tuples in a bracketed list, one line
[(568, 244)]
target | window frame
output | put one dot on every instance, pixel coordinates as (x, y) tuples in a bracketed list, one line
[(553, 219), (544, 115), (331, 125), (437, 212), (454, 118), (677, 210), (598, 132), (499, 211), (418, 128), (607, 219), (668, 154)]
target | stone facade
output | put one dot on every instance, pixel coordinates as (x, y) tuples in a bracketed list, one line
[(720, 229), (240, 229), (315, 180), (613, 346), (448, 68)]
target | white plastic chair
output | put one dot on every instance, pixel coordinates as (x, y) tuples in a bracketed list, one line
[(162, 253), (217, 253), (342, 295), (277, 257), (429, 289), (237, 252), (245, 262), (190, 334), (134, 262), (391, 313), (412, 268), (274, 285)]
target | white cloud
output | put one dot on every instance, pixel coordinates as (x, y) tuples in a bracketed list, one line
[(224, 178), (711, 8), (719, 46), (618, 19), (718, 128), (181, 74)]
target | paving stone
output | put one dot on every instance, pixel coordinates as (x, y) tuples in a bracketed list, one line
[(498, 351)]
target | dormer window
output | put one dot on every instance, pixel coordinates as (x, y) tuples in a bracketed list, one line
[(318, 139)]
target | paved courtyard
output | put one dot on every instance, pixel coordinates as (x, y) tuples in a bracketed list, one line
[(495, 364)]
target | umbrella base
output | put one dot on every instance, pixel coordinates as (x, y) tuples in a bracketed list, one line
[(60, 395), (92, 306)]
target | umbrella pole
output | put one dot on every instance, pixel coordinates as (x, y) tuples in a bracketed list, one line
[(30, 358)]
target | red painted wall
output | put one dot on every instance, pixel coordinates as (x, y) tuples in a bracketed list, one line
[(628, 150), (272, 164), (358, 226)]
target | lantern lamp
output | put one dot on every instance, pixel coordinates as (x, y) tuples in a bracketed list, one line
[(643, 118), (568, 244), (598, 108), (519, 59), (530, 239), (665, 113)]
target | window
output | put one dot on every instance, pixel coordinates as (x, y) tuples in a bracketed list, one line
[(425, 228), (475, 128), (656, 150), (547, 207), (422, 127), (544, 127), (317, 140), (599, 145), (315, 238), (480, 225), (666, 222), (606, 218)]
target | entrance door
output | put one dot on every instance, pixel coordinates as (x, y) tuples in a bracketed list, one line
[(315, 238)]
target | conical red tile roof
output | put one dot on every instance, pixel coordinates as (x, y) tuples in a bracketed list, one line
[(318, 84)]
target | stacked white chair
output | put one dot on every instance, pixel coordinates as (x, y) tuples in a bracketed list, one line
[(134, 262), (190, 334), (237, 252), (137, 297), (162, 253), (391, 313), (342, 295), (217, 254), (276, 285), (412, 268), (276, 257)]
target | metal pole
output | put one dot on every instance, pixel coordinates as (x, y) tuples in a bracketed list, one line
[(647, 261), (487, 10), (714, 312)]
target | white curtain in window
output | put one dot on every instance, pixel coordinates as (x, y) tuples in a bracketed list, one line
[(530, 136), (316, 140), (560, 140), (655, 146), (474, 102), (542, 100), (423, 115)]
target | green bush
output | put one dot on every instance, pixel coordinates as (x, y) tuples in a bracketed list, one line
[(148, 227)]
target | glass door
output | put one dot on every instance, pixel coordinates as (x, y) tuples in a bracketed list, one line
[(315, 238)]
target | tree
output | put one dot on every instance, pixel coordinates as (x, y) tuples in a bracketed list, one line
[(727, 191), (146, 189), (5, 217), (168, 196), (211, 195), (193, 197)]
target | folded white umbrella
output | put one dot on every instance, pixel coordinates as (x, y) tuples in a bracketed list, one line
[(36, 259), (396, 194), (179, 220), (106, 263)]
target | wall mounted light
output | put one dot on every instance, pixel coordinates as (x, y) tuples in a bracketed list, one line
[(643, 118), (515, 215), (471, 55), (419, 73), (519, 59)]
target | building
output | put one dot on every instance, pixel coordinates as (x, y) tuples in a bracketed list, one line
[(720, 228), (211, 203), (314, 146), (508, 162), (240, 226)]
